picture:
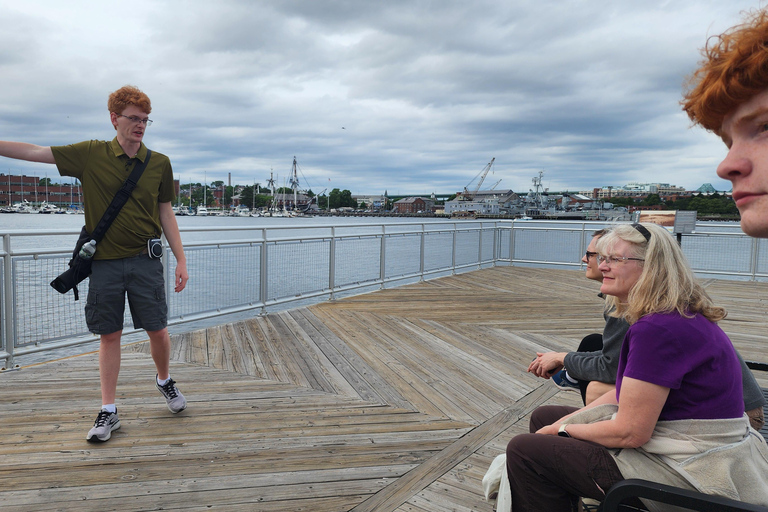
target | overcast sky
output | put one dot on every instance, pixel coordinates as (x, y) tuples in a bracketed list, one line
[(407, 96)]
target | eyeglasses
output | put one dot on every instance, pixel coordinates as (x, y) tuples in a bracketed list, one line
[(589, 254), (619, 260), (136, 120)]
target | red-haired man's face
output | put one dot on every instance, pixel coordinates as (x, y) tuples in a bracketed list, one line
[(745, 132), (129, 130)]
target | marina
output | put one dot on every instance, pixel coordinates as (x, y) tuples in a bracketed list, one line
[(396, 400)]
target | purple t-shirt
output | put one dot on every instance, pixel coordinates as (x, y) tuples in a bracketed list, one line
[(692, 357)]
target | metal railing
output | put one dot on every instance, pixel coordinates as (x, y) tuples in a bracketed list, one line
[(239, 269)]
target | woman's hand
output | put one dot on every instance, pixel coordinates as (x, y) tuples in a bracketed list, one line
[(640, 405), (549, 430)]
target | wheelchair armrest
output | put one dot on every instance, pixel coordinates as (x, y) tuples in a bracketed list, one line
[(691, 500)]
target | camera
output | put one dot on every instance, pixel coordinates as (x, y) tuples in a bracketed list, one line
[(155, 248)]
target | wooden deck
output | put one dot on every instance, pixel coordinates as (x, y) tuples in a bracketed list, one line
[(396, 400)]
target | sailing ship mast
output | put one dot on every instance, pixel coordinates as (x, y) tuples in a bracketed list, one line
[(294, 183), (271, 184)]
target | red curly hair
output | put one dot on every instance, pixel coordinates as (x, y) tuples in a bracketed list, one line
[(126, 96), (734, 69)]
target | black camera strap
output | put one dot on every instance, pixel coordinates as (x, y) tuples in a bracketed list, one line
[(80, 269), (121, 197)]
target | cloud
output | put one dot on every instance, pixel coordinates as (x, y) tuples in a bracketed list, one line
[(428, 92)]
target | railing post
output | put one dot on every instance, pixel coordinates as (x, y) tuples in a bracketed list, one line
[(755, 258), (496, 234), (8, 302), (332, 264), (263, 287), (512, 244), (480, 247), (422, 253), (383, 256), (453, 250), (582, 249)]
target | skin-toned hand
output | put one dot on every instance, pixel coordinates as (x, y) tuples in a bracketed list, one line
[(547, 364), (181, 276), (640, 405), (549, 430), (171, 231)]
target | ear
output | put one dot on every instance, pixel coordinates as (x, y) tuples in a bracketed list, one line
[(113, 119)]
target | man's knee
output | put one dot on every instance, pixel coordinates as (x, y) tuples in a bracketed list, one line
[(591, 343), (159, 335), (111, 337)]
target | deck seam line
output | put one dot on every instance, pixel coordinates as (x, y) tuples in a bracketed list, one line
[(421, 477)]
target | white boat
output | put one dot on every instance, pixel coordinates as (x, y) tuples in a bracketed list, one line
[(22, 207), (202, 211), (47, 207)]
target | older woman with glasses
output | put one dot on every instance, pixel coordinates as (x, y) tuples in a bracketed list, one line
[(677, 414)]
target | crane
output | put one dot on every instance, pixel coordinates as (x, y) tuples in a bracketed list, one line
[(495, 185), (467, 195)]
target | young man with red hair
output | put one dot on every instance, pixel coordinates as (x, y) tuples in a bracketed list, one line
[(728, 95), (121, 264)]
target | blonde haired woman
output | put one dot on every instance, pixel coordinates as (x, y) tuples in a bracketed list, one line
[(677, 415)]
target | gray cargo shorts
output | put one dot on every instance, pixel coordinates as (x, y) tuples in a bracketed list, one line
[(142, 279)]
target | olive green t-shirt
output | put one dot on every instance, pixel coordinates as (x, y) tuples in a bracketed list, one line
[(102, 168)]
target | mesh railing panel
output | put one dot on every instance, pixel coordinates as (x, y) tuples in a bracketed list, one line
[(402, 256), (358, 260), (548, 246), (467, 247), (438, 251), (718, 253), (297, 268), (761, 266), (486, 251), (41, 312), (221, 277)]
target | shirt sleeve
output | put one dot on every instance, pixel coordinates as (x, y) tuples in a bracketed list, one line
[(601, 365), (72, 159), (167, 192)]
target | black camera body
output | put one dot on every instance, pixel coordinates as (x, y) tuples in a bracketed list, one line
[(155, 248)]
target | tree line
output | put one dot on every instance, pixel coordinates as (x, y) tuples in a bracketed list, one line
[(256, 196), (714, 204)]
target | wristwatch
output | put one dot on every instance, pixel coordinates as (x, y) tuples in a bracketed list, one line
[(562, 432)]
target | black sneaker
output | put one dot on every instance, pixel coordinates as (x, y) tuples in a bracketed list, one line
[(173, 397), (102, 428)]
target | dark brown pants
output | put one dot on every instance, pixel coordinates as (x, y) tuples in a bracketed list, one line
[(551, 472)]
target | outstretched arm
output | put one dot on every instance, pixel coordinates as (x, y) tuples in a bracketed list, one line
[(29, 152)]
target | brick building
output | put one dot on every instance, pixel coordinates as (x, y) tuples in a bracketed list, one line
[(17, 189), (413, 205)]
